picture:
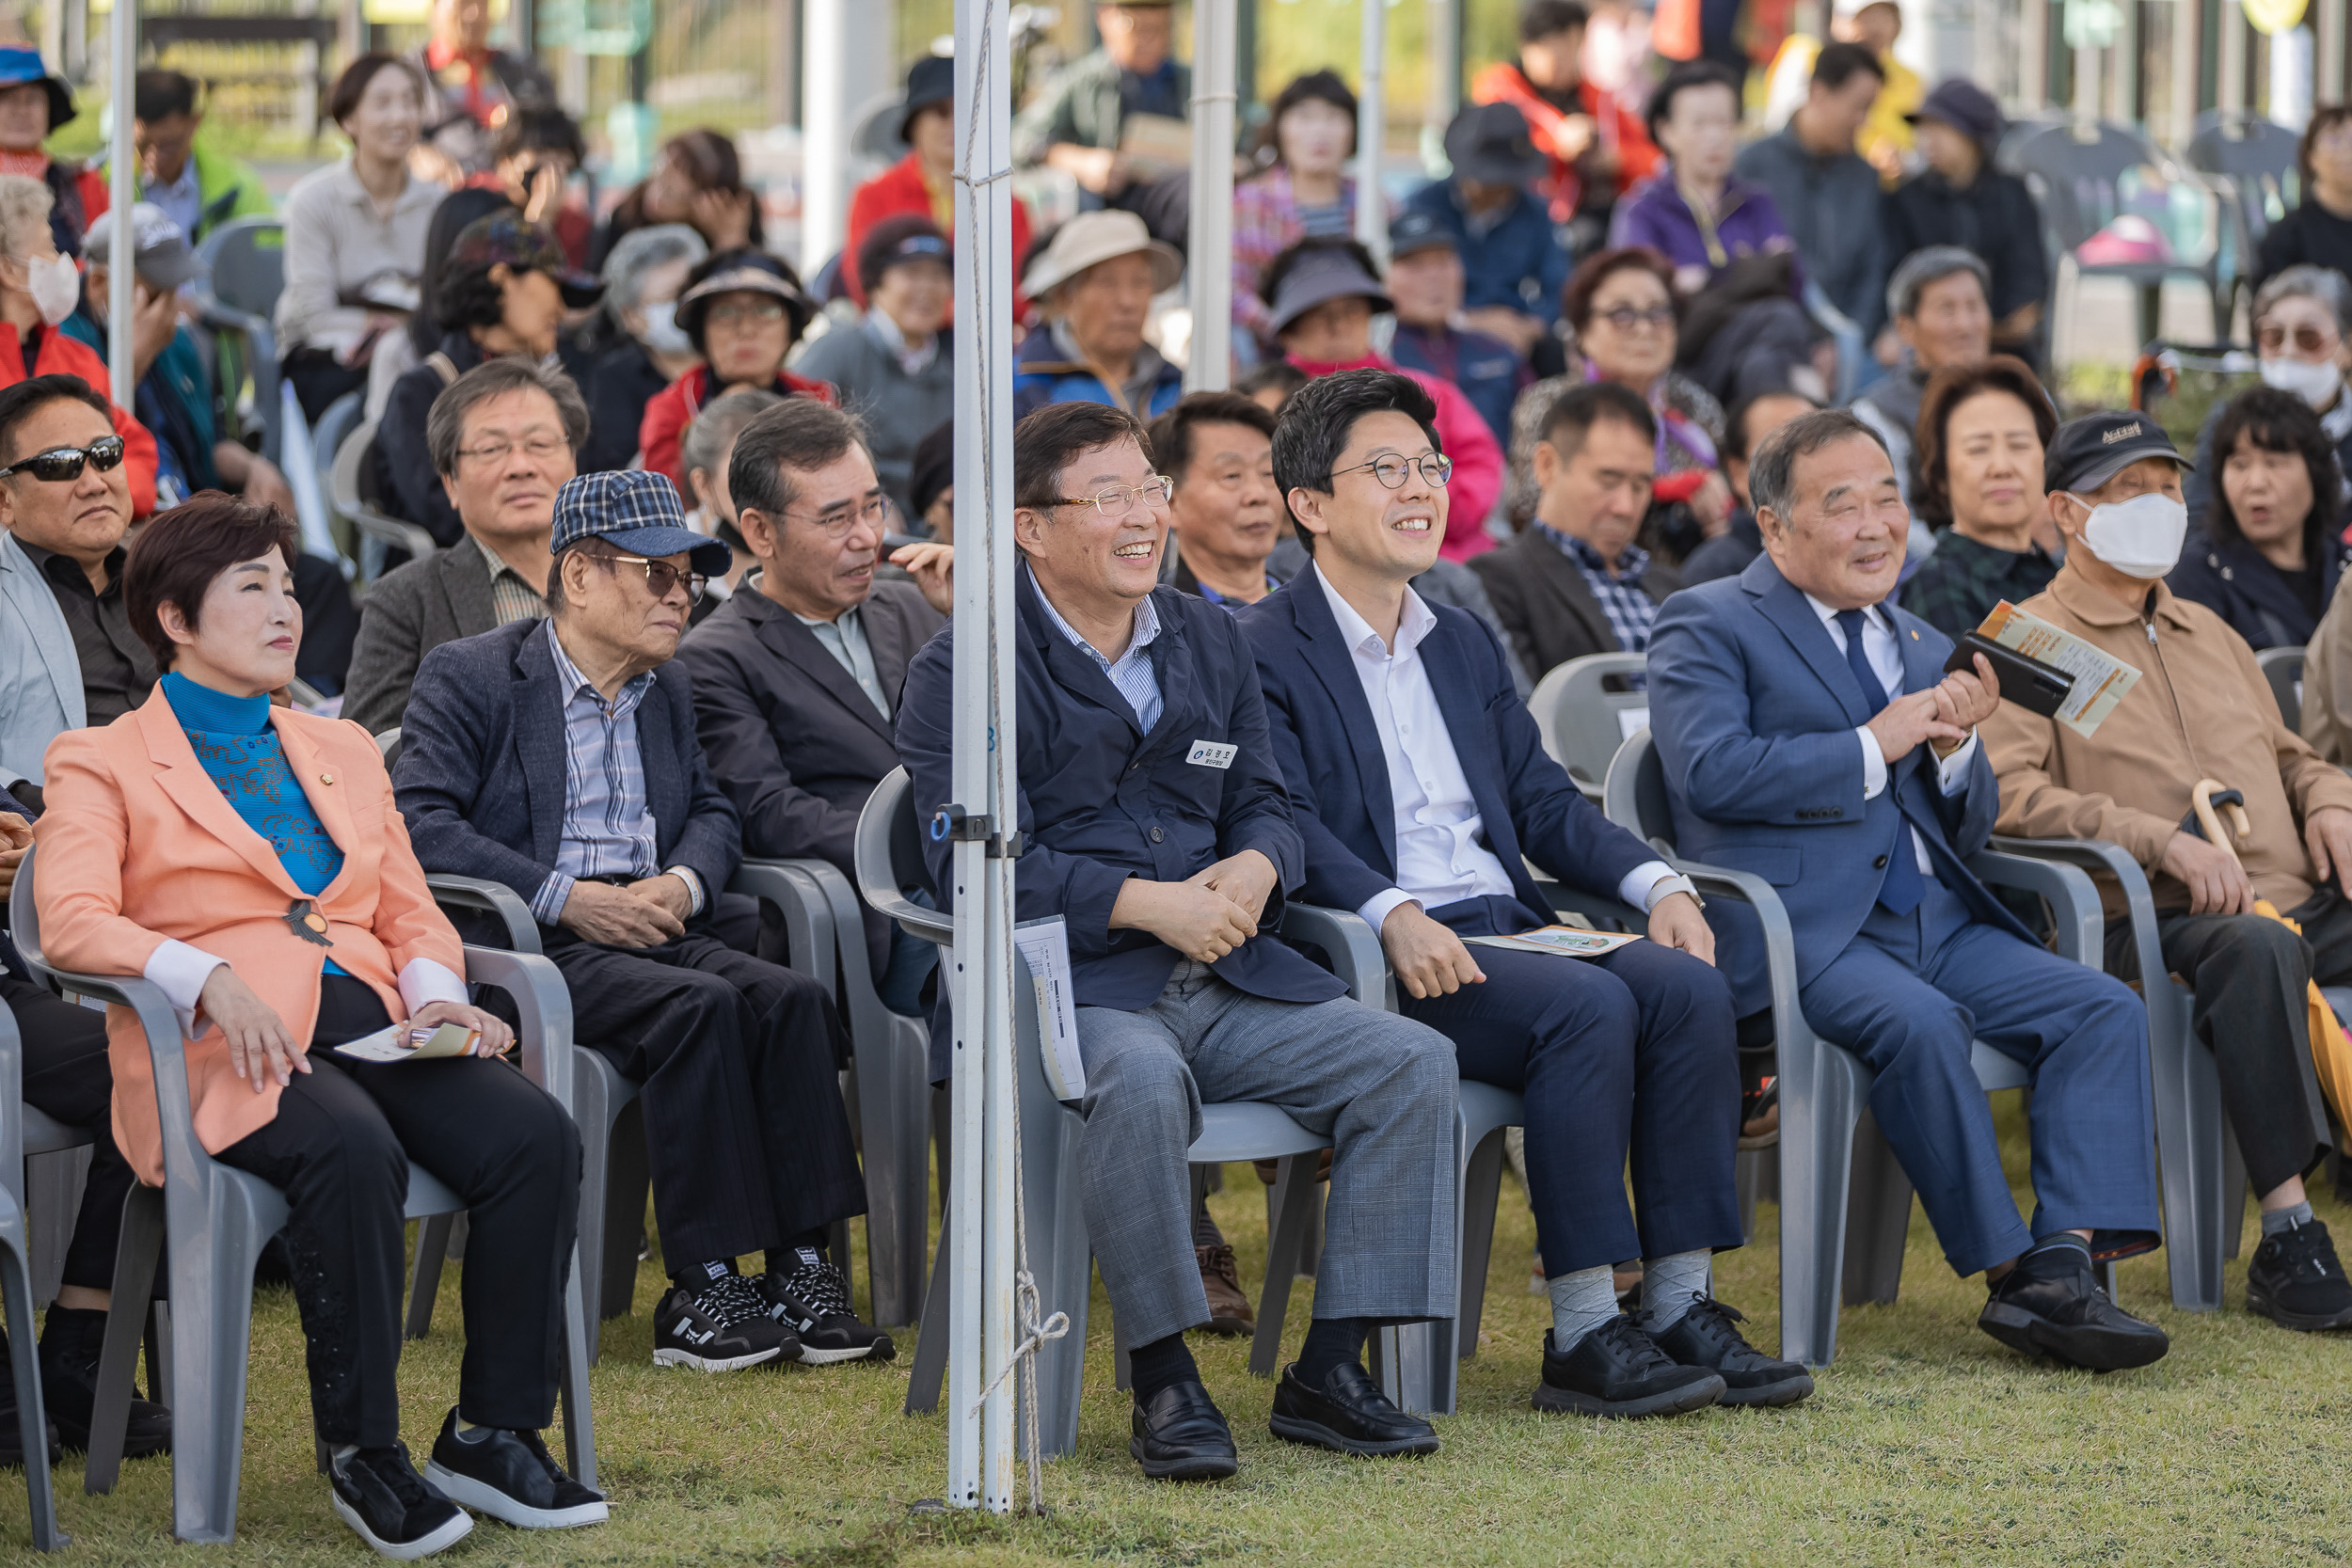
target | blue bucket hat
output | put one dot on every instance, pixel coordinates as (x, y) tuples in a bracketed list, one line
[(20, 63), (636, 512)]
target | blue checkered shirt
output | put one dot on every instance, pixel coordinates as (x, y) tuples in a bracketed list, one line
[(1132, 672), (1630, 611), (608, 827)]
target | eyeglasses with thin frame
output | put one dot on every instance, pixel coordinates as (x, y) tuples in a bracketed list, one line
[(1624, 318), (876, 511), (757, 313), (2308, 340), (1393, 471), (538, 449), (59, 464), (661, 577), (1119, 500)]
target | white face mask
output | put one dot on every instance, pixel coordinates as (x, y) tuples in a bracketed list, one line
[(56, 286), (2316, 384), (2141, 537), (662, 333)]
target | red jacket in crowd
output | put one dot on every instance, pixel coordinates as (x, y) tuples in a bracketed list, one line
[(58, 355), (901, 189), (1615, 127), (671, 410)]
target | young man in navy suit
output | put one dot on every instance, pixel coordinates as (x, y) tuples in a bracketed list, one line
[(1154, 823), (1418, 780), (1811, 736)]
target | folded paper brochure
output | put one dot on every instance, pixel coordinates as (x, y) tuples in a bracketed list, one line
[(2101, 679)]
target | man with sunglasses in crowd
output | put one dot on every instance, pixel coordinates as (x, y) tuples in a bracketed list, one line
[(1421, 789), (1154, 824), (559, 758), (797, 675)]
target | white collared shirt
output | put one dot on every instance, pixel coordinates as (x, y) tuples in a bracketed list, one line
[(1879, 645), (1132, 672), (1439, 859)]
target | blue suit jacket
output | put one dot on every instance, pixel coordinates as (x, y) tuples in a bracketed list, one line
[(1754, 709), (1330, 754), (1101, 801), (481, 775)]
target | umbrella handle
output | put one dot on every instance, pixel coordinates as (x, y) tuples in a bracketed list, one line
[(2209, 817)]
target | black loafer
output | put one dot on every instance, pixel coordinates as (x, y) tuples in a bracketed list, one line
[(1181, 1435), (1347, 1415), (2296, 1281), (1703, 1336), (1618, 1371), (2052, 1304)]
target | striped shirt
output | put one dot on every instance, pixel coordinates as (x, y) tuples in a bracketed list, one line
[(608, 827), (1131, 672), (512, 598)]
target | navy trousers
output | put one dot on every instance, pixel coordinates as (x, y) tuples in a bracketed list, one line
[(1630, 1054), (1908, 997)]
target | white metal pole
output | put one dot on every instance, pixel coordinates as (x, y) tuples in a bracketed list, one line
[(981, 1455), (122, 190), (2230, 83), (1372, 128), (1443, 21), (2188, 36), (1211, 282), (824, 132), (2332, 47)]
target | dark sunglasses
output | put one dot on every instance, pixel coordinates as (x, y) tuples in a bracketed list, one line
[(2308, 340), (661, 577), (60, 464)]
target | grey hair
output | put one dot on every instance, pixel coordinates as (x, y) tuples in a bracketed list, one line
[(1933, 264), (715, 428), (445, 421), (2324, 284), (640, 250), (1772, 471), (25, 204)]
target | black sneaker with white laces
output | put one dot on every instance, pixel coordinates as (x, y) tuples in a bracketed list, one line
[(721, 1327), (391, 1508), (511, 1477), (2296, 1281), (813, 1301)]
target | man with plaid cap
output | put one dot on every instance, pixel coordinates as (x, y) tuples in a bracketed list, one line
[(559, 757)]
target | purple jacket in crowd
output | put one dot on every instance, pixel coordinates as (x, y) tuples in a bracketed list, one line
[(1654, 213)]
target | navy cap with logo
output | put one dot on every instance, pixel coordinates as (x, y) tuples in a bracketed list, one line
[(1418, 230), (2086, 453), (636, 512), (507, 236)]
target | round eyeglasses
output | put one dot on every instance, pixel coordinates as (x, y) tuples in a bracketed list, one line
[(1435, 468)]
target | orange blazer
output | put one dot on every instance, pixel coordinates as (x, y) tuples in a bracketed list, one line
[(138, 845)]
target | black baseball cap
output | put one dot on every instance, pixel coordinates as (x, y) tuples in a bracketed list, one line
[(2086, 453), (1418, 230)]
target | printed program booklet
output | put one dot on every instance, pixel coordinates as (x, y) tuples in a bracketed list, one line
[(2101, 679), (1570, 941), (401, 1043)]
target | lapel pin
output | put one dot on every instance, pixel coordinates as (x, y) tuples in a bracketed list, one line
[(329, 778), (1914, 637)]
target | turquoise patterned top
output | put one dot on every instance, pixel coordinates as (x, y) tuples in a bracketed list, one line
[(240, 751)]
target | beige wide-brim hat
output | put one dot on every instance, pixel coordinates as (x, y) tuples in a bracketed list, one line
[(1092, 238)]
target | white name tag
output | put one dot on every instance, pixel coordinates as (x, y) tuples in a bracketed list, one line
[(1212, 753)]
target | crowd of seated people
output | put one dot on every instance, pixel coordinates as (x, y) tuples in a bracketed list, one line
[(674, 620)]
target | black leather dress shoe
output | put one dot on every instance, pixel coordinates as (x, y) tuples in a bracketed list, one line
[(1703, 1336), (2051, 1304), (1181, 1435), (1348, 1415), (1617, 1371)]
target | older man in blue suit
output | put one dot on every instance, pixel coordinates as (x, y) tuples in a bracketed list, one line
[(559, 757), (1811, 735), (1423, 789), (1156, 825)]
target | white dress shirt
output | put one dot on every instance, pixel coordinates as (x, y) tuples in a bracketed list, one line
[(1439, 859), (1887, 661)]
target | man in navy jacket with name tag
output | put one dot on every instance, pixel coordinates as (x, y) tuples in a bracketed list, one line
[(1422, 788), (1154, 821), (1811, 736)]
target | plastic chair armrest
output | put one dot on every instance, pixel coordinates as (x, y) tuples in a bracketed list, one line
[(544, 1007), (1352, 946), (174, 1106), (931, 925), (808, 921), (2073, 900), (2094, 854), (11, 1109), (829, 889), (487, 897)]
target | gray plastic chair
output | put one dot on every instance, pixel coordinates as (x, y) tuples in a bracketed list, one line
[(888, 860), (2284, 668), (1579, 715), (19, 1137), (351, 491), (1831, 1150), (246, 258), (219, 1218), (2251, 157)]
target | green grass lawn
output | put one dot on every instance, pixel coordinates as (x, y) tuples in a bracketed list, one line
[(1926, 1442)]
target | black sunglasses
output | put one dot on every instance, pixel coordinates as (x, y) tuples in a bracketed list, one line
[(60, 464)]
